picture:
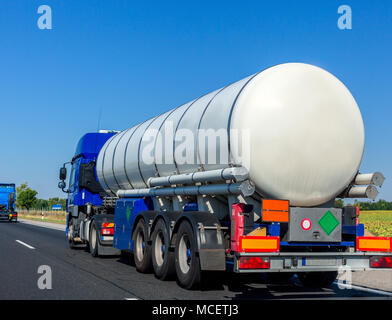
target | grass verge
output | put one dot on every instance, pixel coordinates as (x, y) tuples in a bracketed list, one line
[(48, 218)]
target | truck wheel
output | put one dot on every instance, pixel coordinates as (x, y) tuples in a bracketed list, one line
[(141, 249), (317, 279), (187, 262), (162, 257), (94, 241)]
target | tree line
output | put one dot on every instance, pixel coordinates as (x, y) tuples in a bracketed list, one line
[(367, 205), (26, 198)]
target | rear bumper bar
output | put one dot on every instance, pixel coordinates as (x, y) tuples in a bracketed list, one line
[(6, 216), (312, 261)]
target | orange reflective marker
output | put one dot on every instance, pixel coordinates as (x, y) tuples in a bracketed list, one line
[(108, 225), (259, 244), (374, 244), (275, 210)]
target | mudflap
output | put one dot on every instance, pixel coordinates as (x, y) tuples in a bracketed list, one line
[(210, 240), (108, 251)]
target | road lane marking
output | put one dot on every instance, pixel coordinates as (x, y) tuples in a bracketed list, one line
[(25, 244), (351, 286), (132, 299)]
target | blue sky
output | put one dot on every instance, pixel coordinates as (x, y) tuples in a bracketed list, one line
[(134, 60)]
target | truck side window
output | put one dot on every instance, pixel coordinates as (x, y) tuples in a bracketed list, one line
[(72, 179)]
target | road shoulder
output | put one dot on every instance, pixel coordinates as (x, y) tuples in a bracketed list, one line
[(50, 225)]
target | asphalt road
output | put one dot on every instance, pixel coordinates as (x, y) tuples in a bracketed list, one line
[(77, 275)]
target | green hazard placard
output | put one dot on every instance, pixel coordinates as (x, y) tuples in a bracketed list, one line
[(328, 222)]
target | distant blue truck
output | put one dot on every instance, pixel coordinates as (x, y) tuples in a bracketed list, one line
[(7, 202)]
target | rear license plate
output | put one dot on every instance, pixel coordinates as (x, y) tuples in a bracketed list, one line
[(319, 262)]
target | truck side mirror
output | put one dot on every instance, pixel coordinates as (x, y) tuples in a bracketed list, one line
[(61, 184), (63, 173)]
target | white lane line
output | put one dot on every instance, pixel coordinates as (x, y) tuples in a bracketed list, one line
[(25, 244), (348, 286)]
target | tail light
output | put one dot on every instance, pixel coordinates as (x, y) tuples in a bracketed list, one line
[(107, 231), (381, 262), (254, 263), (356, 215)]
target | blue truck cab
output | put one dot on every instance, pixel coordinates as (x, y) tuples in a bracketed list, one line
[(88, 218), (7, 202)]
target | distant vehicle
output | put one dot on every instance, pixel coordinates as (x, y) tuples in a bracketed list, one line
[(270, 210), (7, 202)]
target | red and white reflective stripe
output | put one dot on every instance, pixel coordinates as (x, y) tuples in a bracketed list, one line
[(306, 224)]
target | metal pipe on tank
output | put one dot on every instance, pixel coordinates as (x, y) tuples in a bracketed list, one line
[(236, 173), (244, 188)]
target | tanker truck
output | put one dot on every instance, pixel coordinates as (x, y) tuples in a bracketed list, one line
[(242, 179)]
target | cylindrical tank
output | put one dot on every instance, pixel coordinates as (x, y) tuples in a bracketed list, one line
[(295, 127)]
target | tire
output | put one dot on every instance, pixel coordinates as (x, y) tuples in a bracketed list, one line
[(141, 248), (317, 279), (162, 257), (94, 241), (187, 261)]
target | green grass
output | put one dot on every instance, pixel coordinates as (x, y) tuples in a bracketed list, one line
[(47, 218), (378, 223)]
